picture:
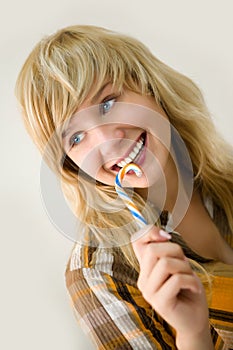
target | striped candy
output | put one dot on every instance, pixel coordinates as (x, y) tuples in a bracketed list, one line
[(124, 196)]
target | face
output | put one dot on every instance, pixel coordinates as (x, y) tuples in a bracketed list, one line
[(114, 128)]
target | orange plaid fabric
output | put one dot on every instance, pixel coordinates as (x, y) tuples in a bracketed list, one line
[(221, 304), (112, 312)]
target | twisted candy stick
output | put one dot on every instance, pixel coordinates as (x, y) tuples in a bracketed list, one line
[(124, 196)]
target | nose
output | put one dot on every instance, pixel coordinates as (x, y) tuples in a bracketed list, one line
[(107, 138)]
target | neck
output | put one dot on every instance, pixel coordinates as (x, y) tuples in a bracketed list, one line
[(171, 193)]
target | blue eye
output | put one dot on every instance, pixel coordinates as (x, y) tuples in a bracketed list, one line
[(106, 106), (76, 139)]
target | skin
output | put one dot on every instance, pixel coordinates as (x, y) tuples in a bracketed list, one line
[(105, 142), (168, 283), (166, 279)]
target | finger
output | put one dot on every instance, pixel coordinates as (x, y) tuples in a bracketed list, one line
[(145, 236), (150, 233), (150, 253), (161, 272), (176, 285)]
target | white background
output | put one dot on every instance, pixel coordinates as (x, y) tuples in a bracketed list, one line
[(194, 37)]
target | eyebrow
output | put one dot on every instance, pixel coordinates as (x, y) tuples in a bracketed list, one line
[(65, 133), (94, 99), (99, 92)]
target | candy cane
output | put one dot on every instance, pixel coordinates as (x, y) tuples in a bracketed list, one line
[(124, 196)]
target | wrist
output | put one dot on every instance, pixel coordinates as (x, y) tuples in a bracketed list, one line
[(201, 341)]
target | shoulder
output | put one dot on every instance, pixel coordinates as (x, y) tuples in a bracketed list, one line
[(221, 221), (90, 262)]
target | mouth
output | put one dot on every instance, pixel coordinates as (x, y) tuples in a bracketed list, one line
[(133, 155)]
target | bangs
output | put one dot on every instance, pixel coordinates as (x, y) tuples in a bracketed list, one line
[(75, 63)]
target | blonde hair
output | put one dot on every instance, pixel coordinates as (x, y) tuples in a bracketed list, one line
[(57, 77)]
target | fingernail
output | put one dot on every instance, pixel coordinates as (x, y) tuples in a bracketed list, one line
[(165, 234)]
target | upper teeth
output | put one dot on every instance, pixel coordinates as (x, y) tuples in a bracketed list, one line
[(133, 154)]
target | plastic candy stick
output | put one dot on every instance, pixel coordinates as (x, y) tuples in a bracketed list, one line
[(124, 196)]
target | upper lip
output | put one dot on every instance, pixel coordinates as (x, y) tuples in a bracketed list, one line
[(128, 151)]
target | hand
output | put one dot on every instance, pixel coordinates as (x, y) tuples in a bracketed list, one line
[(169, 285)]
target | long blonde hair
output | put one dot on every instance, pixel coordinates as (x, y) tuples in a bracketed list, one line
[(57, 77)]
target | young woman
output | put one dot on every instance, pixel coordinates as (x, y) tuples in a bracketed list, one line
[(92, 101)]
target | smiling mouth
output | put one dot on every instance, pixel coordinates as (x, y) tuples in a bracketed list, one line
[(133, 155)]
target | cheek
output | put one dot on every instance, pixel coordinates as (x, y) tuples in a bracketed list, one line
[(163, 154), (75, 157), (157, 158), (160, 144), (87, 160)]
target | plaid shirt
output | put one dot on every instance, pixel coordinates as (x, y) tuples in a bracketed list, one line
[(112, 312)]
